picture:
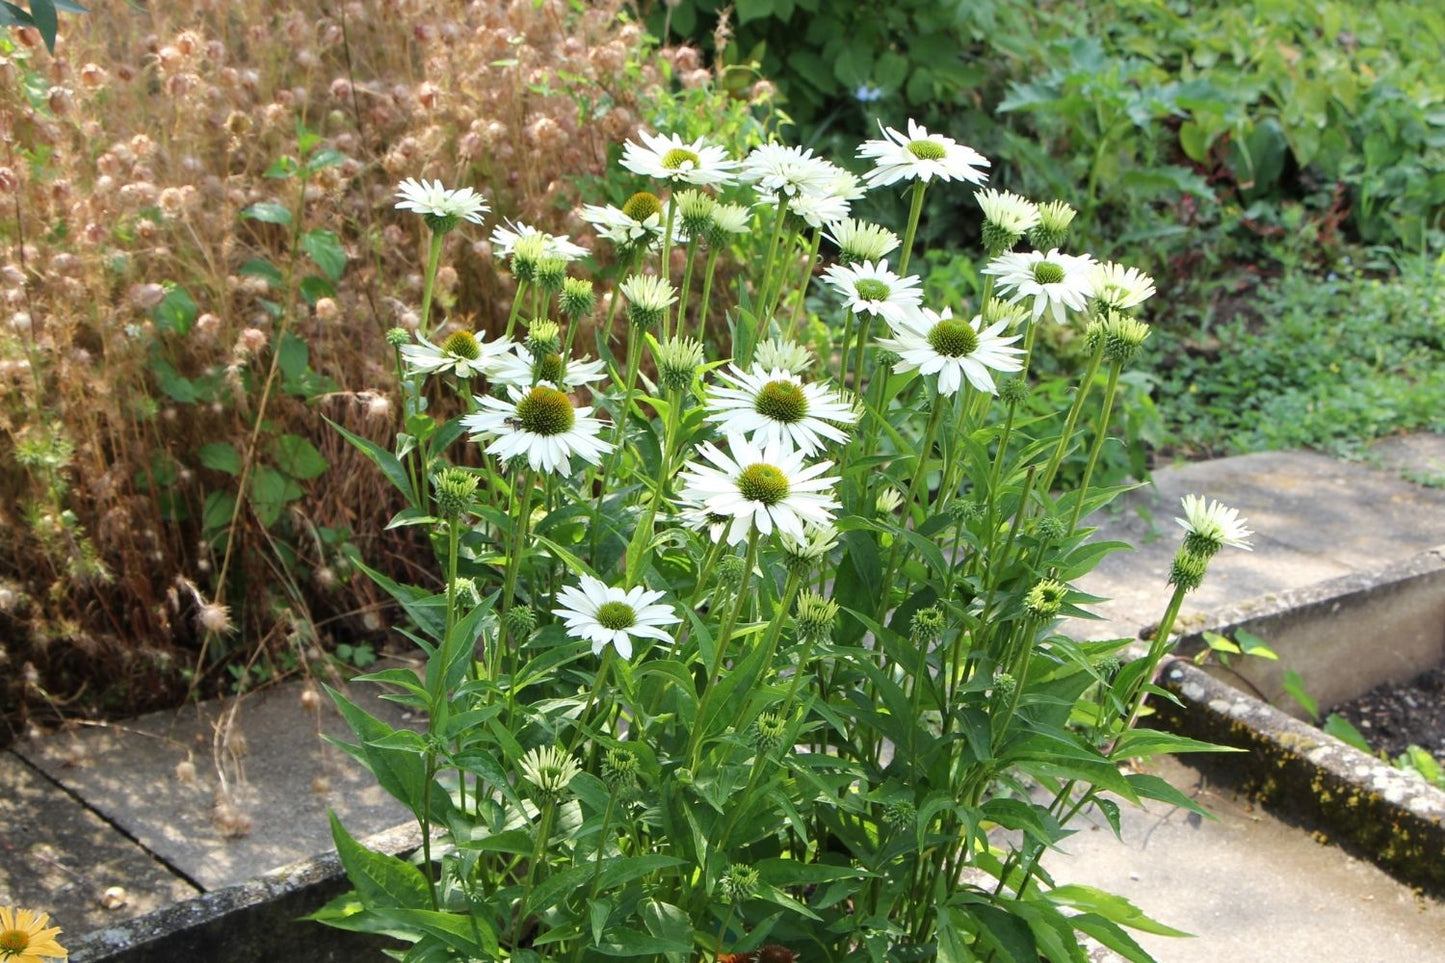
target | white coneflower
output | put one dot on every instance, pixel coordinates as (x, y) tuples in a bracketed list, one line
[(1119, 288), (935, 343), (776, 408), (1209, 527), (819, 210), (540, 424), (804, 553), (777, 169), (638, 222), (1007, 216), (549, 769), (784, 354), (460, 352), (1055, 281), (871, 288), (670, 158), (920, 156), (518, 367), (728, 220), (602, 615), (648, 297), (505, 237), (441, 208), (861, 241), (760, 489)]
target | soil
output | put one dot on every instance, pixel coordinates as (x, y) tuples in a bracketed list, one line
[(1396, 715)]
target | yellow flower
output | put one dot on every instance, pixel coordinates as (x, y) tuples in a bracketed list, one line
[(24, 937)]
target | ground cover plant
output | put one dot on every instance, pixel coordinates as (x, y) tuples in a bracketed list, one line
[(744, 644), (198, 266)]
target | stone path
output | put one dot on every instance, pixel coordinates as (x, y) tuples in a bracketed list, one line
[(99, 807)]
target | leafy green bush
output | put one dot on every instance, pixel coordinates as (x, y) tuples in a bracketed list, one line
[(1327, 364)]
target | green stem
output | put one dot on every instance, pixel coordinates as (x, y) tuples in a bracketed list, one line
[(516, 307), (802, 295), (544, 831), (712, 256), (1065, 440), (665, 268), (1101, 433), (433, 260), (914, 213), (773, 237), (694, 743)]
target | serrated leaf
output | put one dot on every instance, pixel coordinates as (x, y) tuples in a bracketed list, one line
[(222, 456), (298, 458), (324, 247), (267, 212)]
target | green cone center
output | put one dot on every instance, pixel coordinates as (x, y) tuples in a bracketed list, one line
[(927, 150), (641, 206), (462, 344), (1047, 272), (550, 368), (782, 401), (954, 338), (680, 159), (871, 289), (763, 483), (545, 411), (616, 616)]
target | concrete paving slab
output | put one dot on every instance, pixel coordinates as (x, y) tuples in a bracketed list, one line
[(263, 805), (1419, 458), (1315, 518), (1248, 887), (61, 858)]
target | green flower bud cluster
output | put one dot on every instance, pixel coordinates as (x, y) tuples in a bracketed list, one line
[(1046, 598), (900, 814), (520, 621), (927, 626), (398, 337), (526, 253), (619, 769), (1189, 565), (1052, 230), (815, 616), (577, 298), (730, 570), (769, 729), (551, 274), (677, 362), (543, 338), (740, 882), (453, 489)]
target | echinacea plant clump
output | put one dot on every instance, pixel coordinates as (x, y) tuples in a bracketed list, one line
[(748, 649)]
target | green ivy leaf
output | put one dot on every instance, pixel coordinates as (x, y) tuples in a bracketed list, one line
[(176, 312), (324, 247), (222, 456), (298, 458), (268, 212)]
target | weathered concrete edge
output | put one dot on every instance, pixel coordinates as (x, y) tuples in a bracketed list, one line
[(1386, 815), (251, 922), (1319, 597)]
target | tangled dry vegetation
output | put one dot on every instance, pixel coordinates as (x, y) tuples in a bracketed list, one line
[(143, 311)]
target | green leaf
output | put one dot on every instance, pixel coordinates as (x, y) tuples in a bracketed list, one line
[(42, 13), (1114, 908), (1340, 727), (324, 247), (1253, 645), (453, 929), (1139, 743), (314, 288), (270, 213), (294, 357), (222, 456), (260, 268), (380, 880), (218, 511), (298, 458), (176, 312), (270, 491), (170, 381), (383, 459), (1294, 687)]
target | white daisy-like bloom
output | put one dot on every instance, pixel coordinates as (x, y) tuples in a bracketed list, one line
[(845, 183), (731, 219), (871, 288), (597, 613), (937, 343), (763, 489), (542, 425), (1120, 288), (920, 156), (505, 237), (861, 241), (439, 205), (1057, 282), (648, 297), (639, 221), (819, 210), (777, 169), (784, 354), (549, 769), (671, 158), (1007, 211), (461, 352), (1210, 526), (776, 408), (517, 367), (693, 514)]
